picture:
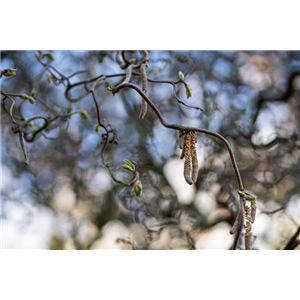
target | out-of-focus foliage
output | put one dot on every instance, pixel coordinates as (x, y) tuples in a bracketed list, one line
[(65, 198)]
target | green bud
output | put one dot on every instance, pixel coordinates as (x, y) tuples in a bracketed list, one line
[(129, 163), (128, 168), (57, 110), (30, 124), (9, 72), (97, 128), (24, 96), (138, 188), (110, 88), (250, 197), (132, 61), (180, 133), (188, 91), (31, 100), (37, 54), (69, 109), (49, 78), (33, 93), (49, 55), (181, 76), (84, 115), (247, 196)]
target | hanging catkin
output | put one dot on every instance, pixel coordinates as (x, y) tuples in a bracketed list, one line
[(144, 88), (182, 144), (253, 211), (182, 140), (194, 157), (248, 233), (188, 159)]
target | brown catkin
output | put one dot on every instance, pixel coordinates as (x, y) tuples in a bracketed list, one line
[(194, 157), (248, 233), (187, 162), (182, 145), (236, 224), (182, 140), (144, 88), (253, 211)]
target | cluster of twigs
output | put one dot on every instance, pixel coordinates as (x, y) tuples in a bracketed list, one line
[(21, 126)]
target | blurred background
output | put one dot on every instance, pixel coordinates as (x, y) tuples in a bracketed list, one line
[(65, 198)]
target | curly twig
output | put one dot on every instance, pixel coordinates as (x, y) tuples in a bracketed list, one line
[(185, 128)]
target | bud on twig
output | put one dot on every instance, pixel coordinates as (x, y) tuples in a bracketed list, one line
[(49, 55), (138, 188), (97, 128), (181, 76), (33, 93), (188, 91), (29, 98), (129, 166), (37, 54), (84, 114), (8, 72)]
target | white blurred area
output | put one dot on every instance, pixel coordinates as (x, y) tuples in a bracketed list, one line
[(23, 274)]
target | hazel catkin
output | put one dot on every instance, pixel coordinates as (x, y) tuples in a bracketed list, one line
[(248, 233), (187, 160), (194, 157), (144, 106)]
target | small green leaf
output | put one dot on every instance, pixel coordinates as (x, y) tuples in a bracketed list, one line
[(24, 96), (250, 197), (138, 188), (132, 61), (31, 100), (129, 163), (49, 55), (9, 72), (97, 128), (84, 114), (181, 76), (50, 78), (69, 109), (57, 110), (33, 93), (37, 54), (188, 91), (127, 168)]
